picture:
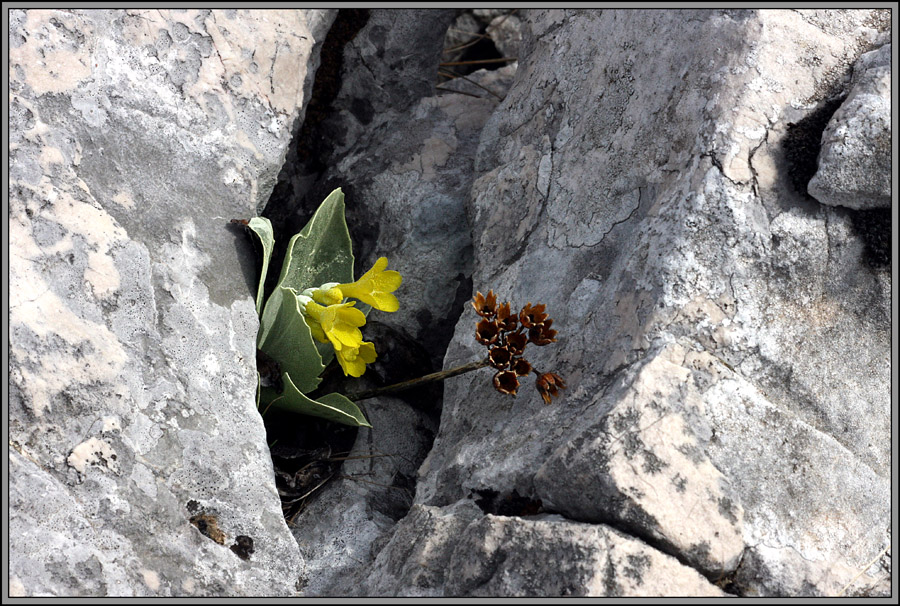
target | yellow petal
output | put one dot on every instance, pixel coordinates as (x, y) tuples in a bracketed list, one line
[(330, 296), (339, 323), (352, 364), (367, 352), (375, 287), (316, 329)]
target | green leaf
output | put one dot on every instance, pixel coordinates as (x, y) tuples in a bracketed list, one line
[(322, 251), (333, 406), (262, 227), (285, 336)]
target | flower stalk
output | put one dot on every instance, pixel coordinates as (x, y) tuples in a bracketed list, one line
[(424, 380)]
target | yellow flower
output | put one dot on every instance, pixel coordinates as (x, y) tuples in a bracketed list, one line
[(332, 321), (354, 360), (375, 287), (327, 294), (338, 324)]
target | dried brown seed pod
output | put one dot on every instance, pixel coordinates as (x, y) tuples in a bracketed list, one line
[(486, 307), (520, 366), (548, 385), (543, 334), (532, 315), (506, 382), (487, 331), (500, 357), (507, 319), (516, 343)]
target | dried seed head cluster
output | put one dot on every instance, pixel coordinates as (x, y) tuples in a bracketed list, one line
[(506, 335)]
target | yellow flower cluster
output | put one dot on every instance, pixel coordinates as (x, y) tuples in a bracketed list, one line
[(333, 320)]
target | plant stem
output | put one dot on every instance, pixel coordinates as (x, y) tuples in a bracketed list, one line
[(403, 385)]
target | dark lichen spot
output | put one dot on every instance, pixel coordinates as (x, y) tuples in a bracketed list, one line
[(652, 463), (208, 525), (243, 546), (609, 580), (728, 509), (193, 506), (628, 418), (680, 483), (636, 565)]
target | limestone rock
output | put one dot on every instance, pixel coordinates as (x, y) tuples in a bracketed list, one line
[(635, 181), (724, 340), (643, 467), (506, 33), (457, 552), (137, 455), (341, 528), (855, 160)]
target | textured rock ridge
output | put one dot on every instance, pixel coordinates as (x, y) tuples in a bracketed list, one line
[(137, 457)]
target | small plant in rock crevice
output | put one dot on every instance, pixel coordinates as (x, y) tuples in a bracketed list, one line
[(316, 310), (314, 315)]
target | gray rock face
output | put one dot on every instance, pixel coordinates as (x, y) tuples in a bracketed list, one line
[(724, 340), (506, 33), (457, 551), (855, 161), (720, 336), (137, 456), (344, 526)]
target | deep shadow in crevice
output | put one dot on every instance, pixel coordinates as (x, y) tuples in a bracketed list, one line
[(802, 143), (307, 451), (873, 226), (511, 504)]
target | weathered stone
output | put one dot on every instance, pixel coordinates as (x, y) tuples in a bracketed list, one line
[(855, 160), (724, 340), (506, 33), (464, 29), (458, 552), (137, 136), (642, 467), (340, 528), (634, 179)]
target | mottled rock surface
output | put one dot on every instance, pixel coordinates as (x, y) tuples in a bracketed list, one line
[(137, 456), (855, 161), (460, 552), (635, 180), (724, 338)]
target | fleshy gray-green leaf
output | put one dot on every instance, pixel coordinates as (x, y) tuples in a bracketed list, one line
[(322, 251), (333, 406), (285, 336), (262, 227)]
